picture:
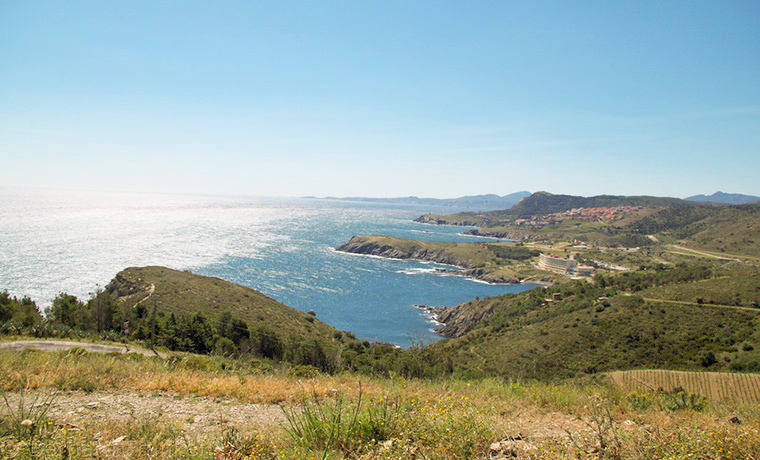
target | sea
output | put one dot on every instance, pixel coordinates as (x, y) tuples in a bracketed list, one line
[(76, 241)]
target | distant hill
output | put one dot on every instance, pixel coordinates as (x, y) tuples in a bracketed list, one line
[(543, 203), (729, 229), (181, 292), (476, 202), (724, 198)]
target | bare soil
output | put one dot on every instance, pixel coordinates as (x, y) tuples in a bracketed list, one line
[(199, 415)]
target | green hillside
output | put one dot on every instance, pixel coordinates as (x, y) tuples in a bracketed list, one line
[(677, 287), (184, 293), (541, 203), (544, 203), (732, 230), (606, 326)]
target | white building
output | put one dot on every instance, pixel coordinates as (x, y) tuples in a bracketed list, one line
[(564, 265)]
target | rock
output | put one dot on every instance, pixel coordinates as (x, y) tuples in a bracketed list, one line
[(460, 319), (515, 448)]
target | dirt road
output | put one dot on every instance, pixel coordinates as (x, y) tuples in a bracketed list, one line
[(63, 345)]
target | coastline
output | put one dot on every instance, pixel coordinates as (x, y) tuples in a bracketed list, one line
[(463, 272), (442, 253)]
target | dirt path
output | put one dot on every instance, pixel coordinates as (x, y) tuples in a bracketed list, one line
[(63, 345), (703, 253), (714, 305)]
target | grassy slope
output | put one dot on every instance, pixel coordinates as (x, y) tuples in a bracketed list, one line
[(734, 230), (739, 288), (183, 292), (524, 337)]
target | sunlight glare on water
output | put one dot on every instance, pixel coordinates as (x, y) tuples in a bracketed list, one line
[(74, 241)]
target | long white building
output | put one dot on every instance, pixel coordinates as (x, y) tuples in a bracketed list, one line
[(564, 265)]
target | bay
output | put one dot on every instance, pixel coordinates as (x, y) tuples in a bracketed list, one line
[(56, 240)]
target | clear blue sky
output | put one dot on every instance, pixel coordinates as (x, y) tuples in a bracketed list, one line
[(382, 98)]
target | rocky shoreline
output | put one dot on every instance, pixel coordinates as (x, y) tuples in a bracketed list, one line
[(432, 220), (373, 246), (367, 246)]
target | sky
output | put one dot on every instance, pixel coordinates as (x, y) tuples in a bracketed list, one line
[(382, 98)]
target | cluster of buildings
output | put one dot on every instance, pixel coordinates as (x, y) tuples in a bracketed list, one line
[(590, 214), (564, 265)]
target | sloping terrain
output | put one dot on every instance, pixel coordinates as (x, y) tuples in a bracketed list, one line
[(588, 329), (182, 292)]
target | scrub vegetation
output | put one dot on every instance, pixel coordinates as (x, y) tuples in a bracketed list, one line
[(349, 415)]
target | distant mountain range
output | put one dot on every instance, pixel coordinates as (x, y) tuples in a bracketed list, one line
[(725, 198), (476, 202), (493, 202)]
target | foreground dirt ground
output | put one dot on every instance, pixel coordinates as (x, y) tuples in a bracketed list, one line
[(199, 415), (202, 417)]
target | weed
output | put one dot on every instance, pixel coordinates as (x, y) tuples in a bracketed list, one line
[(335, 424), (27, 419), (679, 399)]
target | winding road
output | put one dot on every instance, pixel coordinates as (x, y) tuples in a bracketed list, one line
[(63, 345)]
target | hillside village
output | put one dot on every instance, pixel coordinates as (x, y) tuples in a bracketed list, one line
[(603, 214)]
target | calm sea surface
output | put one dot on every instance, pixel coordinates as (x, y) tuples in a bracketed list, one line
[(55, 241)]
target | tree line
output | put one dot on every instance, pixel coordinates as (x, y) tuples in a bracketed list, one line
[(101, 317)]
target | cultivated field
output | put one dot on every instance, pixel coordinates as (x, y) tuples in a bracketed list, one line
[(718, 386)]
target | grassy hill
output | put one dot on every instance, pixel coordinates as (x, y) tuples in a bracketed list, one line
[(602, 328), (542, 203), (182, 292), (732, 230)]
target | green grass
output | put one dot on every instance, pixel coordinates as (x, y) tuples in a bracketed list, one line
[(524, 337), (182, 292), (733, 288)]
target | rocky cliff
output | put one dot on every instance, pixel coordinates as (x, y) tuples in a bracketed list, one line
[(459, 320), (473, 258), (381, 246)]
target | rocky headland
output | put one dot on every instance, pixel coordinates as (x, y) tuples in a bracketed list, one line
[(391, 248), (474, 260)]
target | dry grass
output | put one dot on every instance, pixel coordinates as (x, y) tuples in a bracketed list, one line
[(201, 376), (420, 419)]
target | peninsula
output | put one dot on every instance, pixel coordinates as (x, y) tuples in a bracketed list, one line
[(497, 262)]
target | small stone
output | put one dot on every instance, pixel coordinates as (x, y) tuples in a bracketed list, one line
[(512, 448)]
